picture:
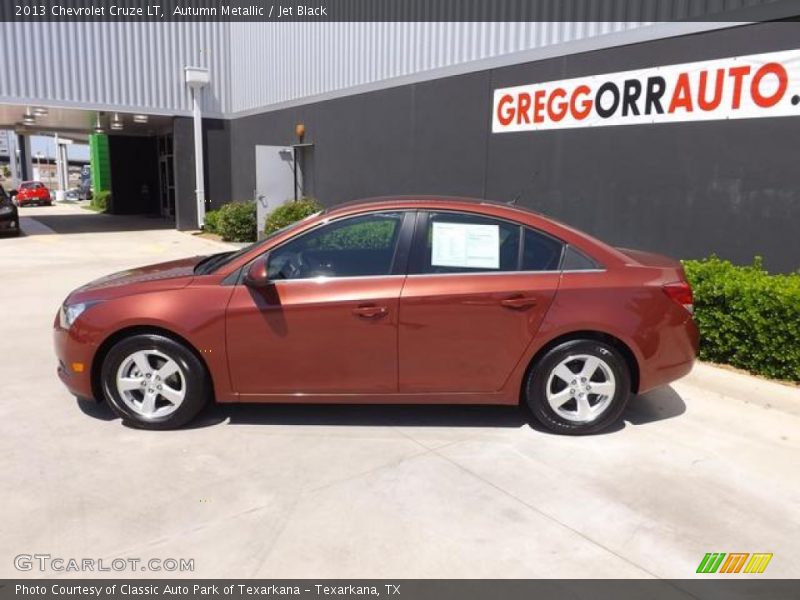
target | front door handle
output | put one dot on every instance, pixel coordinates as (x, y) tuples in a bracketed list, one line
[(519, 302), (371, 311)]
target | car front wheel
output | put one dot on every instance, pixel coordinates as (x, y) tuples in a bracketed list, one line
[(154, 382), (579, 387)]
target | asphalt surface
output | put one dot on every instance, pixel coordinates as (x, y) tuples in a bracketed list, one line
[(709, 464)]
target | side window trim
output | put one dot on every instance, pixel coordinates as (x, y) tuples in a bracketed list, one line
[(418, 244), (402, 248)]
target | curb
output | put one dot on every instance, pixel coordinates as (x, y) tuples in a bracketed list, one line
[(744, 388)]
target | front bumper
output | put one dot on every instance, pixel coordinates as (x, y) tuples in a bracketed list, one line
[(9, 224), (74, 360)]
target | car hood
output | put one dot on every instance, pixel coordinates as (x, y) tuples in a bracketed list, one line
[(162, 276)]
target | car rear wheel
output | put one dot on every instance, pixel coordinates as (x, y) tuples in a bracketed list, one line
[(153, 382), (579, 387)]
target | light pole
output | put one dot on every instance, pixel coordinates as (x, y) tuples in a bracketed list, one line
[(63, 170), (39, 175), (197, 78)]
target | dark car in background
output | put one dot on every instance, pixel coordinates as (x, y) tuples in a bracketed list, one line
[(9, 216), (85, 184)]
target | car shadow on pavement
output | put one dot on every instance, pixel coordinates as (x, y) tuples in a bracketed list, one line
[(98, 410), (658, 405), (94, 223)]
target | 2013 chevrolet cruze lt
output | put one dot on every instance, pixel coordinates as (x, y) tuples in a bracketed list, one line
[(406, 300)]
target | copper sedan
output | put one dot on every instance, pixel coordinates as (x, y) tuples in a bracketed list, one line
[(405, 300)]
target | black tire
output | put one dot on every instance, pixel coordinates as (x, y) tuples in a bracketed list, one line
[(193, 375), (539, 378)]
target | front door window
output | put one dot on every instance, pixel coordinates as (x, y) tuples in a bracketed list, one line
[(355, 247)]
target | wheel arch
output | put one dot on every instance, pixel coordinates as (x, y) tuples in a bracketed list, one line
[(125, 332), (587, 334)]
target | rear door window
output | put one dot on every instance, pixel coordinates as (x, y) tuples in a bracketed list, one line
[(466, 243)]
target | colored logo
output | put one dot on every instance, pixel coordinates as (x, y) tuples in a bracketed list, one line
[(734, 562)]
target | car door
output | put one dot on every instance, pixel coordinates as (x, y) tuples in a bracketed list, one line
[(477, 291), (327, 323)]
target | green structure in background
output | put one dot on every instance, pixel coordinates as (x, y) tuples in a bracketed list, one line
[(99, 160)]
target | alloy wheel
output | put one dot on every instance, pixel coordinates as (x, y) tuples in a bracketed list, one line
[(151, 384), (580, 388)]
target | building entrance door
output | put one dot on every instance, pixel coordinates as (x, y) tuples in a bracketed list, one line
[(274, 180)]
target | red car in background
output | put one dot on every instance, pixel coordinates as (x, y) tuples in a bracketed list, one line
[(404, 301), (33, 192)]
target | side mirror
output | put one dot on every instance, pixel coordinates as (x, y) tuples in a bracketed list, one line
[(257, 274)]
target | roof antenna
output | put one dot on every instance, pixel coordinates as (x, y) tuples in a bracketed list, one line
[(523, 189)]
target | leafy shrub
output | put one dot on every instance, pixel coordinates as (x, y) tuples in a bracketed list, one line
[(101, 201), (211, 221), (747, 317), (369, 235), (292, 211), (236, 222)]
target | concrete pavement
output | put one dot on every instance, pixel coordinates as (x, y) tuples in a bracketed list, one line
[(709, 464)]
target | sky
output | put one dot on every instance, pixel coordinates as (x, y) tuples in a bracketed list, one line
[(46, 145)]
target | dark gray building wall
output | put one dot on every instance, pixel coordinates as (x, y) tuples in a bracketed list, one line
[(217, 168), (183, 171), (685, 189)]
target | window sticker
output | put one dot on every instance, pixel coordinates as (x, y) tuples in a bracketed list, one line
[(465, 245)]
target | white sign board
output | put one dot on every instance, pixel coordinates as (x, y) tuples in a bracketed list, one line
[(465, 245), (743, 87)]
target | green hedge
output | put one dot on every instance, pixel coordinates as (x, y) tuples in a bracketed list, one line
[(747, 317), (236, 222), (369, 235), (101, 201), (211, 221), (288, 213)]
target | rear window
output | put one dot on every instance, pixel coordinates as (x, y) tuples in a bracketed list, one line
[(575, 260), (32, 185), (541, 252)]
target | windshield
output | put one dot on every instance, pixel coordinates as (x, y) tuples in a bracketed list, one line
[(216, 261)]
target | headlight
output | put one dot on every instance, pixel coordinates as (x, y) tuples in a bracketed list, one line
[(6, 210), (70, 312)]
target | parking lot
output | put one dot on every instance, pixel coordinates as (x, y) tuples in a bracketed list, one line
[(709, 464)]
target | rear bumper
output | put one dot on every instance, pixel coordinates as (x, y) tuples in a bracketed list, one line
[(676, 355), (26, 201), (74, 361)]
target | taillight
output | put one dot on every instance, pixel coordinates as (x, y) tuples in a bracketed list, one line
[(680, 292)]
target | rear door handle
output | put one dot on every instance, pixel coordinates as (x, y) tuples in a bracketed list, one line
[(519, 302), (371, 311)]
